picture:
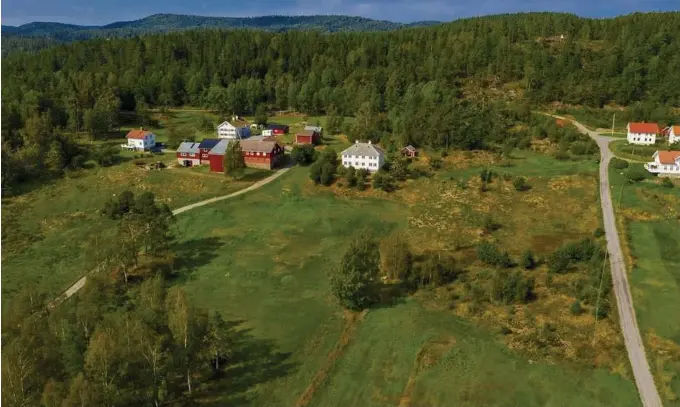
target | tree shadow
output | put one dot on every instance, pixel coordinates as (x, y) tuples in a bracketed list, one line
[(253, 361), (193, 254), (388, 295)]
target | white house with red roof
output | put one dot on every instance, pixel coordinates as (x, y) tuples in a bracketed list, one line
[(140, 140), (642, 133), (665, 163), (674, 135)]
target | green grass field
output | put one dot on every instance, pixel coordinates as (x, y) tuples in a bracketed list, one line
[(649, 214), (263, 258), (622, 149), (46, 230)]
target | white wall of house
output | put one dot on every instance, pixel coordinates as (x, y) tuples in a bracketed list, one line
[(147, 143), (229, 131), (656, 167), (641, 138), (370, 163), (192, 161), (672, 137)]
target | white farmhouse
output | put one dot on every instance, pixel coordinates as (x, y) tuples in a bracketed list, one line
[(674, 135), (140, 140), (234, 130), (363, 155), (665, 163), (642, 133)]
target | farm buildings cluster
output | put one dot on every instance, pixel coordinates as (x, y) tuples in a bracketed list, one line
[(664, 162)]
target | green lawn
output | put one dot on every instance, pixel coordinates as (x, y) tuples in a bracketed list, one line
[(263, 258), (46, 231), (655, 273), (622, 149)]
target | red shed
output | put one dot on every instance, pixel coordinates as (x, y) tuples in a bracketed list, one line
[(307, 137)]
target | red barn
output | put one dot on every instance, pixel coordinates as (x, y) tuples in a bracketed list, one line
[(205, 147), (265, 154), (188, 154), (307, 137), (278, 129)]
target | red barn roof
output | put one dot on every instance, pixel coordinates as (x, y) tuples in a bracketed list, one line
[(138, 134), (668, 157), (647, 128)]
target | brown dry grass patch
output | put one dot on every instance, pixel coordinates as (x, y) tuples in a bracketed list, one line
[(664, 350)]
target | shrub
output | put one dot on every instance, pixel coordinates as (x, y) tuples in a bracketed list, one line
[(599, 232), (303, 154), (435, 163), (576, 308), (486, 175), (528, 262), (619, 164), (667, 182), (578, 148), (490, 254), (520, 184), (327, 171), (636, 174), (384, 182), (561, 155), (512, 287), (351, 177)]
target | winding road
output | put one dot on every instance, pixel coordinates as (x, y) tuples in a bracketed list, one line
[(81, 283), (624, 300)]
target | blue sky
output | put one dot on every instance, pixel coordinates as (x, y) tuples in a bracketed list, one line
[(98, 12)]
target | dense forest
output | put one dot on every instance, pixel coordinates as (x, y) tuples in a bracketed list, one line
[(426, 86), (33, 36)]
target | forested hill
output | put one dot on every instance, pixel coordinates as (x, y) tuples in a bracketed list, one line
[(39, 34), (402, 85)]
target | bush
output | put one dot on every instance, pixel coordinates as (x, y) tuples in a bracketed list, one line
[(528, 261), (667, 182), (435, 163), (384, 182), (351, 177), (512, 288), (326, 176), (486, 175), (576, 308), (490, 254), (619, 164), (561, 155), (578, 148), (520, 184), (636, 174), (304, 154), (599, 232)]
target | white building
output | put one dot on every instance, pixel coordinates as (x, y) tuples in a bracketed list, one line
[(642, 133), (674, 135), (140, 140), (665, 163), (363, 155), (236, 129)]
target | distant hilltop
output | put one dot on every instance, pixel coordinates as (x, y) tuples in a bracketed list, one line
[(159, 23)]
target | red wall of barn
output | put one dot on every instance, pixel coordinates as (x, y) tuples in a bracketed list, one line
[(304, 139), (216, 163)]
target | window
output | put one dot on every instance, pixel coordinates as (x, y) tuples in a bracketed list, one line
[(183, 154)]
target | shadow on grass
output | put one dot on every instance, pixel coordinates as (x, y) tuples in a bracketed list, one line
[(193, 254), (253, 361)]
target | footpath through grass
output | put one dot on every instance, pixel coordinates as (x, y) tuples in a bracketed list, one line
[(263, 258), (649, 216)]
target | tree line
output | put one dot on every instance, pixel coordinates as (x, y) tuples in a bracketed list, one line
[(413, 86), (130, 336)]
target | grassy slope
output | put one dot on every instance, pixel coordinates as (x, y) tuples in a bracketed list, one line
[(653, 235), (270, 252), (47, 230)]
